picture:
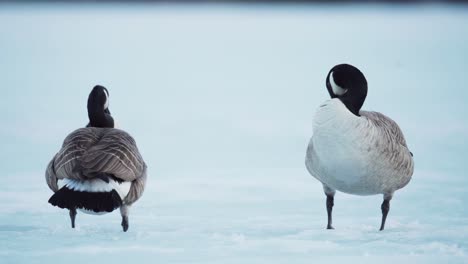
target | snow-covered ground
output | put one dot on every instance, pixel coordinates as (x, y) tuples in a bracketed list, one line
[(220, 100)]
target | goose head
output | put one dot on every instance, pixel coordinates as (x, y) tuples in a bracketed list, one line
[(348, 84), (98, 108)]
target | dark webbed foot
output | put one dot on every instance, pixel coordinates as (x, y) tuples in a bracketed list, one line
[(385, 209), (125, 223), (72, 217)]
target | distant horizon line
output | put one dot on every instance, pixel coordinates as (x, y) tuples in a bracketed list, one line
[(240, 1)]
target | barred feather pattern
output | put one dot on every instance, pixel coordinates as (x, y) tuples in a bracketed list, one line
[(391, 151), (88, 151), (390, 129)]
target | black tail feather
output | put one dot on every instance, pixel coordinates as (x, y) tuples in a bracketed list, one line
[(93, 201)]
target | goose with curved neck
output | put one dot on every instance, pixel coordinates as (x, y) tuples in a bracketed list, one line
[(348, 84), (98, 108), (355, 151)]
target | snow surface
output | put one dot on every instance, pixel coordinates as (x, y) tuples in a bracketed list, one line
[(220, 100)]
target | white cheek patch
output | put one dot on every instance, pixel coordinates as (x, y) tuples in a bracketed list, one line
[(106, 104), (337, 90)]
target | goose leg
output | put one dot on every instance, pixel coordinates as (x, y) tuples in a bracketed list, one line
[(330, 193), (72, 217), (124, 212), (385, 209)]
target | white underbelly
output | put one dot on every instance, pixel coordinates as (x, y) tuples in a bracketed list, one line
[(90, 212)]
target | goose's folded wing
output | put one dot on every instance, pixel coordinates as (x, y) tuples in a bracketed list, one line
[(390, 128), (51, 177), (136, 189), (396, 151), (74, 147), (88, 151), (115, 153)]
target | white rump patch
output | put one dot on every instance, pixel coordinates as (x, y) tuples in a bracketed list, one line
[(96, 185), (91, 212), (337, 90)]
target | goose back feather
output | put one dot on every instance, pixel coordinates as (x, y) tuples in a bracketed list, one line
[(88, 151)]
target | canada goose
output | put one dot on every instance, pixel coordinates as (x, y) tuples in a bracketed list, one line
[(98, 168), (355, 151)]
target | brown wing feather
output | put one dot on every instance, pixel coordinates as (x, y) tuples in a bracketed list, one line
[(116, 153), (396, 151), (74, 147), (136, 189), (391, 129), (51, 177), (87, 151)]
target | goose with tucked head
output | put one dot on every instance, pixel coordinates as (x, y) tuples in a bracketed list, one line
[(98, 168), (98, 108), (355, 151)]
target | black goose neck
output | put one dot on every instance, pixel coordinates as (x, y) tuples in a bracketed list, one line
[(98, 112), (353, 105), (99, 118)]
